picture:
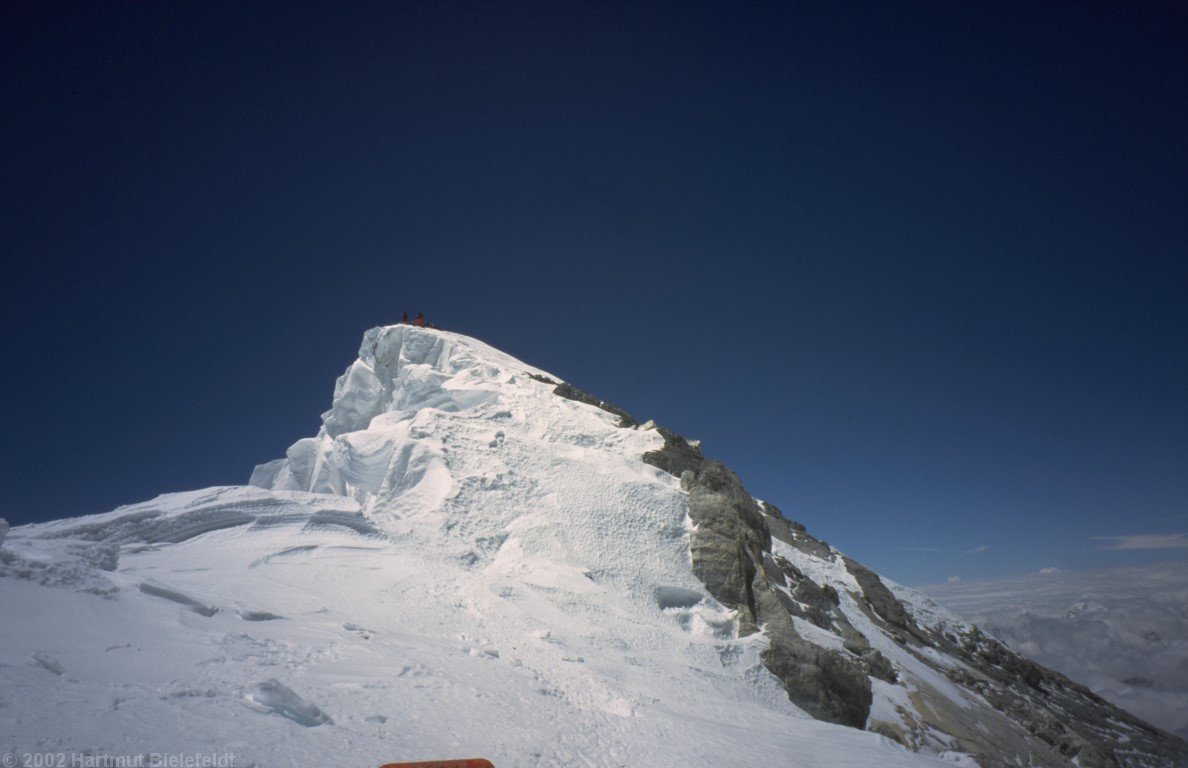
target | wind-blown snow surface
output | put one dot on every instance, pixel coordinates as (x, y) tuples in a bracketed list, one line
[(460, 564), (1121, 631)]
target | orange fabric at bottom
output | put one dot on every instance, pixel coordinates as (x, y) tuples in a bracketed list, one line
[(471, 762)]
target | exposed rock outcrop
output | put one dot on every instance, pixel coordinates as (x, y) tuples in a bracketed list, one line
[(729, 540), (731, 552), (677, 455), (570, 392)]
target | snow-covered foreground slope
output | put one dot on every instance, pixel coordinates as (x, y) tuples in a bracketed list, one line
[(470, 559), (1121, 631), (290, 642)]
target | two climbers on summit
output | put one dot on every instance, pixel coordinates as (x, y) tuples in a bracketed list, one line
[(419, 322)]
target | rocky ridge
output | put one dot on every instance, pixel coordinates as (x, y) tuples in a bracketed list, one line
[(847, 646), (1032, 715)]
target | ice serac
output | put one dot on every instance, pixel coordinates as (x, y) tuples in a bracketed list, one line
[(475, 556), (377, 440)]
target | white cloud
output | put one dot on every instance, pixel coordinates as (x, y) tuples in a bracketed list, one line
[(1145, 541), (1049, 571), (976, 550), (953, 579)]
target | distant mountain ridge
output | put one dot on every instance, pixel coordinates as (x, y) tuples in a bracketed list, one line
[(1121, 631), (473, 555)]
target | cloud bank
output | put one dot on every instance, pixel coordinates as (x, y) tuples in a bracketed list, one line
[(1121, 631), (1145, 541)]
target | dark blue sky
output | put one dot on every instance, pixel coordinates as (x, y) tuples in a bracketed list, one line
[(917, 271)]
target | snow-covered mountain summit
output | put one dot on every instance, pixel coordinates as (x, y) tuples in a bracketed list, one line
[(473, 558)]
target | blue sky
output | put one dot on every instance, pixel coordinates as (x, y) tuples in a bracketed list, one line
[(916, 271)]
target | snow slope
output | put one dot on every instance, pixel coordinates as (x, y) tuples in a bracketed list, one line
[(460, 563)]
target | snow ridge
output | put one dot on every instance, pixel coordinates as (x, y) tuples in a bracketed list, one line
[(458, 563), (462, 562)]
